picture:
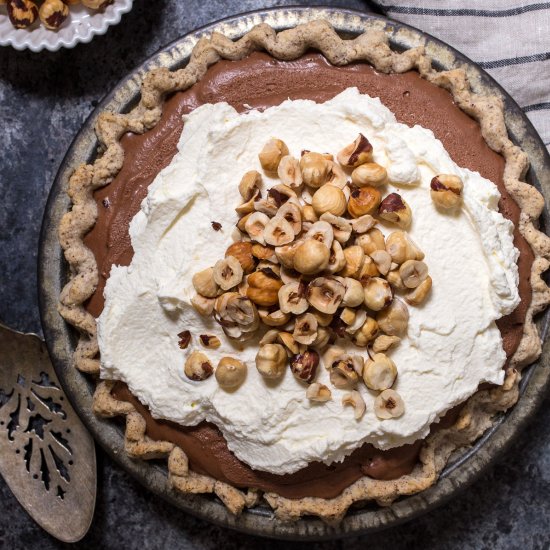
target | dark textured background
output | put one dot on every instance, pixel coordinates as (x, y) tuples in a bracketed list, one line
[(44, 98)]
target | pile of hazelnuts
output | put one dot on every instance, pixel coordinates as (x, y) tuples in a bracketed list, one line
[(310, 269), (52, 13)]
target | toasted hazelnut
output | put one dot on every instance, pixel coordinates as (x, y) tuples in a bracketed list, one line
[(275, 318), (337, 260), (292, 298), (308, 213), (250, 184), (332, 355), (369, 173), (237, 315), (355, 257), (210, 341), (395, 210), (305, 329), (247, 207), (228, 272), (378, 293), (394, 319), (318, 392), (286, 253), (205, 284), (356, 153), (379, 372), (395, 280), (271, 361), (291, 212), (360, 319), (354, 294), (263, 253), (311, 257), (446, 191), (418, 295), (354, 399), (344, 373), (340, 226), (289, 172), (382, 260), (242, 222), (363, 224), (348, 315), (413, 272), (53, 13), (401, 248), (325, 294), (321, 231), (230, 373), (263, 288), (363, 200), (198, 366), (242, 251), (255, 226), (389, 405), (272, 153), (203, 305), (304, 365), (315, 169), (278, 232), (22, 13), (366, 333), (289, 343), (323, 319), (372, 240), (368, 270), (384, 343), (329, 198), (336, 176)]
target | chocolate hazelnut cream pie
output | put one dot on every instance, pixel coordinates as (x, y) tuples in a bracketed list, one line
[(305, 269)]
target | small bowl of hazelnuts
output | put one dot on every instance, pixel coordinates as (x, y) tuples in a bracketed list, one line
[(54, 24)]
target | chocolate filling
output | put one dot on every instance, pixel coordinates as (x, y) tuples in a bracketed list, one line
[(260, 81)]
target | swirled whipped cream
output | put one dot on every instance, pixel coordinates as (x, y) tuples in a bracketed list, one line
[(452, 344)]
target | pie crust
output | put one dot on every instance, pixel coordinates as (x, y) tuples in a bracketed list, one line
[(372, 46)]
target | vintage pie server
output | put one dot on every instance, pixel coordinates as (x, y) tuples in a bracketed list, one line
[(46, 455)]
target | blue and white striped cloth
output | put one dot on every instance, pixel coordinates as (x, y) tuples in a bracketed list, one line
[(507, 38)]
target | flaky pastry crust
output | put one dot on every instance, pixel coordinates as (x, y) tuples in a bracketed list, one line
[(372, 47)]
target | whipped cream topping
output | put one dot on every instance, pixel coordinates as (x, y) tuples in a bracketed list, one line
[(452, 344)]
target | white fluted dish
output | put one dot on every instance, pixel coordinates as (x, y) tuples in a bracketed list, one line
[(81, 26)]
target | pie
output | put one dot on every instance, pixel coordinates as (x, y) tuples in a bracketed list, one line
[(220, 241)]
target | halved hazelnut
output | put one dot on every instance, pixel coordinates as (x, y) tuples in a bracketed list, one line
[(270, 337), (243, 252), (318, 392), (255, 225), (237, 315), (291, 212), (272, 153), (288, 341), (308, 213), (325, 294), (395, 210), (355, 257), (394, 319), (230, 373), (321, 231), (271, 361), (348, 315), (368, 270), (379, 372), (413, 272), (292, 298), (205, 284), (324, 319), (304, 365), (329, 198), (345, 372), (356, 153), (332, 355), (363, 200), (402, 248), (289, 172), (323, 338), (418, 295), (263, 253), (340, 226), (228, 272), (198, 367), (203, 305), (372, 240), (336, 176), (369, 173), (278, 232), (210, 341), (354, 399), (250, 184), (305, 329), (275, 318), (315, 169), (395, 280), (382, 260), (337, 260), (358, 323), (247, 207), (378, 293), (354, 294), (363, 223), (446, 191), (367, 333), (311, 257), (384, 343), (389, 405), (263, 287)]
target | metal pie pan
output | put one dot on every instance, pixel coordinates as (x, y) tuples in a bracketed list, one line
[(61, 338)]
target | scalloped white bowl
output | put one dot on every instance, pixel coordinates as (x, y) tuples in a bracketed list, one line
[(81, 26)]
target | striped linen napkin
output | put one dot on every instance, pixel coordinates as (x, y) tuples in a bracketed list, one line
[(507, 38)]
